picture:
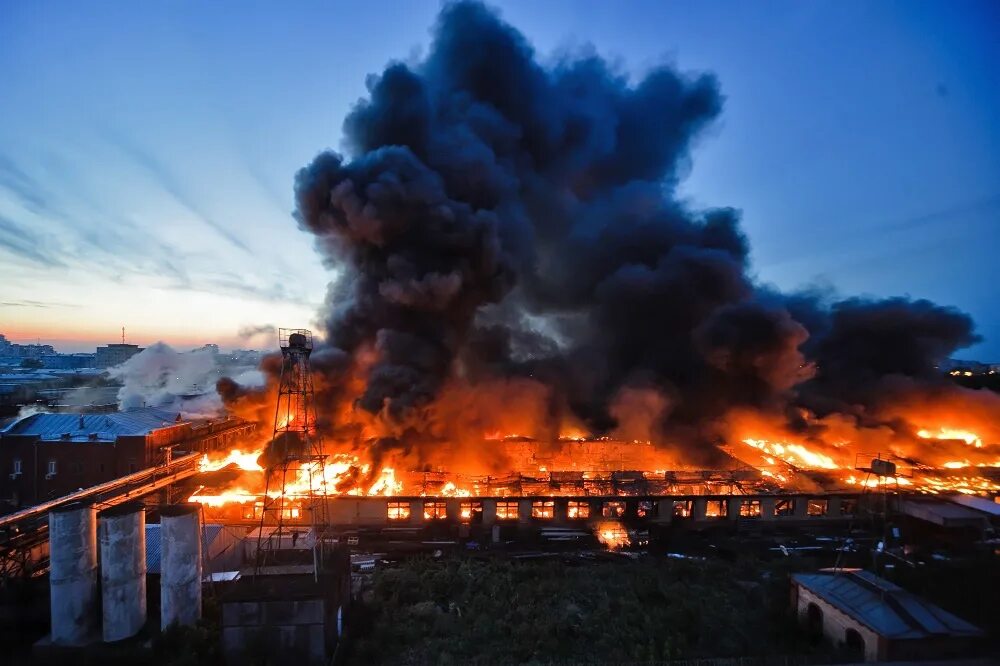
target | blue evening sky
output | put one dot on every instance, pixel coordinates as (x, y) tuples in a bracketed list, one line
[(147, 150)]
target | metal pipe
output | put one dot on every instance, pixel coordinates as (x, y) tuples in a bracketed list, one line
[(181, 564), (73, 574), (123, 570), (179, 469)]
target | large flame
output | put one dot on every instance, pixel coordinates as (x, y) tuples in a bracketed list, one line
[(958, 458)]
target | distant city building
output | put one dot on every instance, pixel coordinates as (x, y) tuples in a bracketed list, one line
[(12, 353), (115, 354), (69, 361)]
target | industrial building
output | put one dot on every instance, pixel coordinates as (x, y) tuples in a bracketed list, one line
[(878, 620), (48, 455), (114, 354)]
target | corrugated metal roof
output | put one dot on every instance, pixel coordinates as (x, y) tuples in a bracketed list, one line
[(154, 547), (977, 503), (941, 512), (886, 608), (106, 427)]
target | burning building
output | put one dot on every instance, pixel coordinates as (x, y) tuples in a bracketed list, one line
[(522, 304), (47, 455)]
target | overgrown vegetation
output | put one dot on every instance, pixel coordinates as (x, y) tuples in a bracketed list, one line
[(472, 611)]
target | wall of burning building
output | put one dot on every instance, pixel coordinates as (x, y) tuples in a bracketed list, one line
[(511, 257)]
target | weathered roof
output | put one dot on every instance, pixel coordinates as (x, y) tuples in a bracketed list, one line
[(977, 503), (884, 607), (106, 427), (942, 512)]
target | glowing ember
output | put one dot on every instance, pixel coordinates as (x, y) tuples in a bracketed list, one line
[(612, 534)]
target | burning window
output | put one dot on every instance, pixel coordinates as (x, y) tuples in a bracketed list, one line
[(613, 509), (817, 507), (682, 508), (784, 507), (716, 509), (576, 510), (848, 506), (507, 510), (644, 509), (471, 512), (543, 509), (750, 509), (435, 510), (252, 511), (399, 511), (291, 513)]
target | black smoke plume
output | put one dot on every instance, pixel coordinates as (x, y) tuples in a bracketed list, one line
[(497, 220)]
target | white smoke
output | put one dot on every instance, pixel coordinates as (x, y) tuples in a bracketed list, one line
[(160, 376)]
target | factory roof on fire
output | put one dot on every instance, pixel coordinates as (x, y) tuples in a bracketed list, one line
[(91, 427), (884, 607)]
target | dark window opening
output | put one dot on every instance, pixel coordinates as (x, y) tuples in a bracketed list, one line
[(854, 643), (784, 507)]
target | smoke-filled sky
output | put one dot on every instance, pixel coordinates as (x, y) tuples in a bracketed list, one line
[(147, 153)]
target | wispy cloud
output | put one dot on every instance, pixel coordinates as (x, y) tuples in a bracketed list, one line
[(37, 304), (24, 243), (24, 188), (166, 179)]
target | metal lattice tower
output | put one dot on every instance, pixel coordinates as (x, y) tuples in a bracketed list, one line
[(295, 482)]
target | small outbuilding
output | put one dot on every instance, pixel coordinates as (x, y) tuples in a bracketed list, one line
[(879, 620)]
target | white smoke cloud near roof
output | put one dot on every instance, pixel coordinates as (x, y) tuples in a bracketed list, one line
[(161, 376)]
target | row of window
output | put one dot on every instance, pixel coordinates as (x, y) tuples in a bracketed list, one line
[(576, 509), (52, 467)]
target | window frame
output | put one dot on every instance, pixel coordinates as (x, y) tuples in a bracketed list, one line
[(508, 510), (435, 510), (398, 510), (578, 510), (723, 509), (784, 507), (751, 508), (817, 502), (543, 509), (613, 509), (470, 507), (686, 508)]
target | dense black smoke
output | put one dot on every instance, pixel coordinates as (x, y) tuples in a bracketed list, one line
[(496, 218)]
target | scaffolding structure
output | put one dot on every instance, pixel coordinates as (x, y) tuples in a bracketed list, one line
[(295, 481)]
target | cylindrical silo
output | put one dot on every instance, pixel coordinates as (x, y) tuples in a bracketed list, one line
[(123, 570), (73, 574), (180, 564)]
